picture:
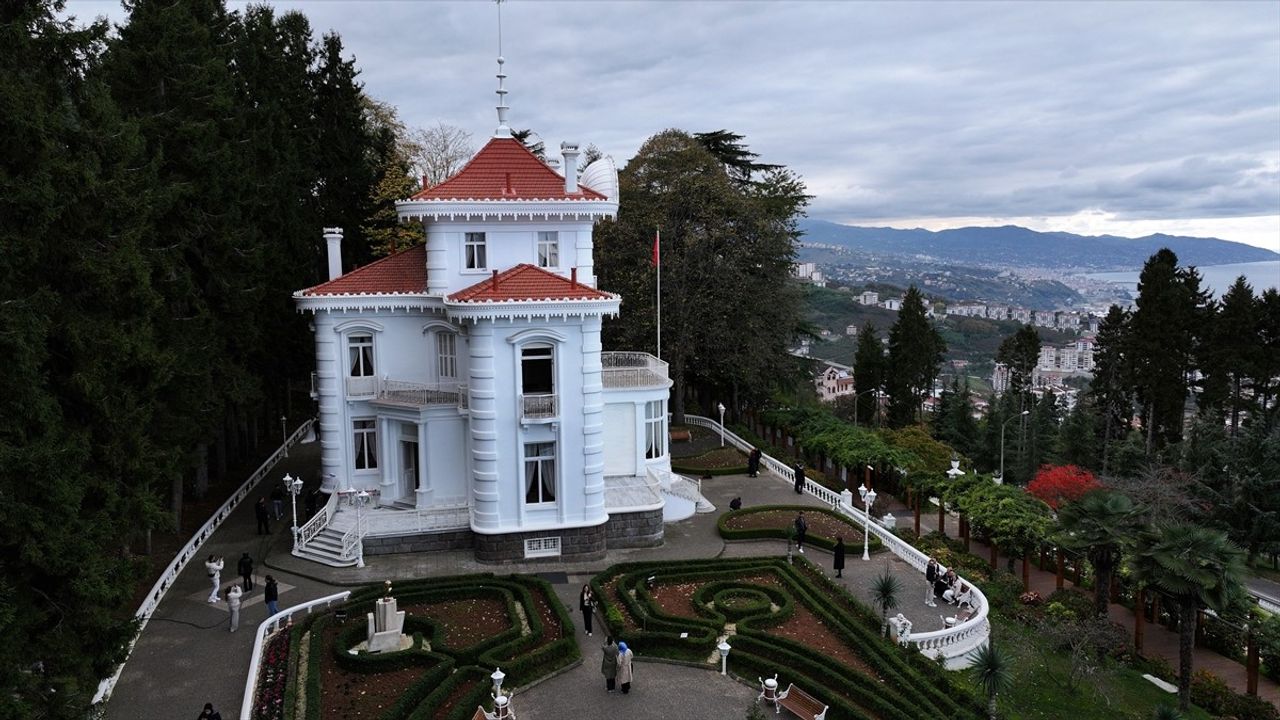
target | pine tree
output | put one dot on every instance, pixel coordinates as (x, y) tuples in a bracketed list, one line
[(1110, 390), (915, 355), (1020, 353), (1077, 438), (1267, 372), (868, 374), (1229, 354)]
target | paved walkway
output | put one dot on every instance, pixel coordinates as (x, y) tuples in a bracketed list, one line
[(1157, 640)]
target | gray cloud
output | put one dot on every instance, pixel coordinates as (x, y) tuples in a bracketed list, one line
[(1147, 110)]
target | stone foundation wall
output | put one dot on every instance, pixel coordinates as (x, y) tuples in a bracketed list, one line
[(634, 530), (421, 542), (575, 544)]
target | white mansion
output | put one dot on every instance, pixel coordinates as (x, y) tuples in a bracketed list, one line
[(462, 382)]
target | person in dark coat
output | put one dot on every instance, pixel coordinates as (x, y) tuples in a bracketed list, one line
[(245, 568), (271, 595), (264, 517), (930, 577), (277, 502), (753, 462), (609, 665), (209, 713), (799, 471), (735, 504), (838, 562), (802, 527), (587, 603)]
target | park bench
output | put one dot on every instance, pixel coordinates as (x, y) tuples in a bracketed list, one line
[(802, 703), (681, 435)]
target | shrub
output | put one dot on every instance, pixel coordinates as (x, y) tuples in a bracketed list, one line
[(787, 529)]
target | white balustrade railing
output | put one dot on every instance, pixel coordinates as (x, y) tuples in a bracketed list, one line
[(535, 407), (362, 387), (269, 627), (632, 370), (317, 524), (410, 393), (952, 644), (190, 550), (353, 537)]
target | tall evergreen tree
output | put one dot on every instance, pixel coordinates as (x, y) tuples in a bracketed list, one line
[(1164, 332), (1020, 353), (915, 355), (1077, 438), (1229, 354), (1110, 390), (1267, 371), (868, 374)]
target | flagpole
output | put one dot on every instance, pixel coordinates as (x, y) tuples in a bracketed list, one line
[(657, 253)]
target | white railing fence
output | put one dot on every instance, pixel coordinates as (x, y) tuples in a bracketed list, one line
[(317, 524), (269, 627), (353, 537), (190, 550), (952, 644)]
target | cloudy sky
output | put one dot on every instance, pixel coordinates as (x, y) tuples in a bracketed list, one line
[(1120, 117)]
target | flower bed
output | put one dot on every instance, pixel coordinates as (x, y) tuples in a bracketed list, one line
[(273, 676), (774, 521)]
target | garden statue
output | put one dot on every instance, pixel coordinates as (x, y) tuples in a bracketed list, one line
[(386, 625)]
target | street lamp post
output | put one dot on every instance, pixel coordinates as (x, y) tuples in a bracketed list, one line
[(952, 474), (1002, 426), (720, 407), (284, 436), (497, 677), (724, 647), (868, 499), (293, 486), (361, 497)]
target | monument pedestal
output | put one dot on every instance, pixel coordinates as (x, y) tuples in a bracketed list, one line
[(386, 626)]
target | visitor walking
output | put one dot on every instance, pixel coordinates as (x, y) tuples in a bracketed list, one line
[(271, 595), (802, 527), (264, 518), (245, 568), (209, 713), (609, 664), (838, 562), (213, 566), (753, 462), (587, 603), (624, 667), (799, 472), (277, 501), (736, 503), (233, 604), (931, 577)]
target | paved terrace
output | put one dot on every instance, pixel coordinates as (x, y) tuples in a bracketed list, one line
[(186, 656)]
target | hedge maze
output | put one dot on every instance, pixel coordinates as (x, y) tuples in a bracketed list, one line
[(462, 628), (784, 619)]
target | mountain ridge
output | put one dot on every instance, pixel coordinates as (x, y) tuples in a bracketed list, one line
[(1013, 245)]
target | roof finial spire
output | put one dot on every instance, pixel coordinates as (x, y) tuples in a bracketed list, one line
[(503, 130)]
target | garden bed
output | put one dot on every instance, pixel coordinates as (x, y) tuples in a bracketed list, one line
[(774, 521), (720, 461)]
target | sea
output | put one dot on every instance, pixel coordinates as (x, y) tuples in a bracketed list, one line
[(1217, 278)]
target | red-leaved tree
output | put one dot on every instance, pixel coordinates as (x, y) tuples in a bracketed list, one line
[(1057, 485)]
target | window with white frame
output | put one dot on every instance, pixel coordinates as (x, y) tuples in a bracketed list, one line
[(360, 355), (542, 547), (655, 429), (540, 472), (537, 370), (475, 251), (365, 435), (549, 249), (447, 351)]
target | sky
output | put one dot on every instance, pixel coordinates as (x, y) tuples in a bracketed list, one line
[(1125, 118)]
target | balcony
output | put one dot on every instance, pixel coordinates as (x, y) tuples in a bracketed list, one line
[(403, 394), (632, 370), (537, 407)]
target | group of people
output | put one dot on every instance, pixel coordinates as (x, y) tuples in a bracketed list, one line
[(616, 666), (945, 584), (271, 593)]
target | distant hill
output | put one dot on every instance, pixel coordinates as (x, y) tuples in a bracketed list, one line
[(1013, 246)]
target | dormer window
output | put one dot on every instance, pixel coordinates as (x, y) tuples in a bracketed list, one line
[(474, 249), (549, 249)]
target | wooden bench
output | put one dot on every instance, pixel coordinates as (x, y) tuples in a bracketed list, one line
[(802, 703), (679, 435)]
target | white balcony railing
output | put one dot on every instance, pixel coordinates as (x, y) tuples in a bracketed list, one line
[(537, 407), (399, 392), (632, 370), (362, 387)]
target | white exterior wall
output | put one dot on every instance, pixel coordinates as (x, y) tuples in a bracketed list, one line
[(507, 244), (625, 432)]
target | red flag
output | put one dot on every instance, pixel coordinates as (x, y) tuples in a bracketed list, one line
[(657, 256)]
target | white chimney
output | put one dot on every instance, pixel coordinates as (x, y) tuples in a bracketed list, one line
[(333, 238), (570, 152)]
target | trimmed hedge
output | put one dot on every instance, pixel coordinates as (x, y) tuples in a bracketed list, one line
[(822, 541)]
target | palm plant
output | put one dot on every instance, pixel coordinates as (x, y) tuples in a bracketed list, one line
[(1101, 523), (885, 590), (1195, 566), (992, 672), (1166, 712)]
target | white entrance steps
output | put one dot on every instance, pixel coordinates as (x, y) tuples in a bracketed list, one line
[(678, 488), (326, 549)]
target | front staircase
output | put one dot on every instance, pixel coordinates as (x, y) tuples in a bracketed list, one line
[(326, 549)]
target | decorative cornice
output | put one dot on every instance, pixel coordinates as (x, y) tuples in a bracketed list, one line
[(530, 309), (362, 302), (482, 209)]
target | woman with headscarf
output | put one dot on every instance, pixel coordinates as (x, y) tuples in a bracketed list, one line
[(624, 667)]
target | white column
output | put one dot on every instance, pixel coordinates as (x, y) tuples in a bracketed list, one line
[(425, 495), (592, 423), (583, 255), (388, 461), (485, 513), (438, 260), (332, 430)]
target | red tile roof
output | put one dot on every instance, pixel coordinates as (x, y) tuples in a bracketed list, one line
[(403, 272), (526, 282), (504, 169)]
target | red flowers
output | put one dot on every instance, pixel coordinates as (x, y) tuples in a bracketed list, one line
[(1057, 485), (272, 675)]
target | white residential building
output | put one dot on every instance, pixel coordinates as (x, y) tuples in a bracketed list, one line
[(869, 298), (894, 304)]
